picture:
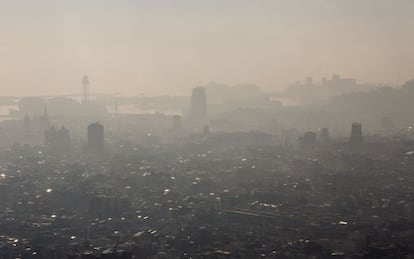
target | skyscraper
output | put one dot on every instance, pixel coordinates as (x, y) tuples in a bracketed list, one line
[(324, 135), (309, 139), (356, 134), (85, 89), (44, 120), (96, 138), (198, 109), (58, 141)]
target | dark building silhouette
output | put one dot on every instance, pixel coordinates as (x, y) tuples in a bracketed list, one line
[(57, 141), (198, 109), (309, 139), (176, 122), (356, 134), (44, 120), (96, 138), (324, 135)]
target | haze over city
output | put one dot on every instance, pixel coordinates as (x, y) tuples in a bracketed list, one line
[(166, 47), (219, 129)]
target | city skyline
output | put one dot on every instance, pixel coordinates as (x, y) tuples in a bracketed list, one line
[(162, 47), (206, 129)]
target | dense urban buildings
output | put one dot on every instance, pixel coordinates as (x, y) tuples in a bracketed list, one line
[(215, 195), (155, 186), (179, 129)]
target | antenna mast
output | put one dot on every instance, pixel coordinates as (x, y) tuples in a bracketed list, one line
[(85, 89)]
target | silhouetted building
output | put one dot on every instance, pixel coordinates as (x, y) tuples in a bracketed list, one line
[(44, 120), (96, 138), (309, 139), (356, 134), (176, 122), (324, 135), (338, 82), (198, 109), (57, 141)]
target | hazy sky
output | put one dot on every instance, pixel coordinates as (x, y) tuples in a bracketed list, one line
[(169, 46)]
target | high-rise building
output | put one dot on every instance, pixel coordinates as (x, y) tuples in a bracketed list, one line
[(44, 120), (58, 141), (356, 134), (85, 89), (198, 109), (324, 135), (96, 138), (309, 139)]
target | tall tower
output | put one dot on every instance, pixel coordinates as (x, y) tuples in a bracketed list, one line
[(57, 141), (44, 120), (198, 109), (356, 134), (324, 135), (309, 139), (85, 89), (96, 138)]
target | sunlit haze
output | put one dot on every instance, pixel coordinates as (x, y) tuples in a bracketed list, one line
[(151, 129), (167, 47)]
